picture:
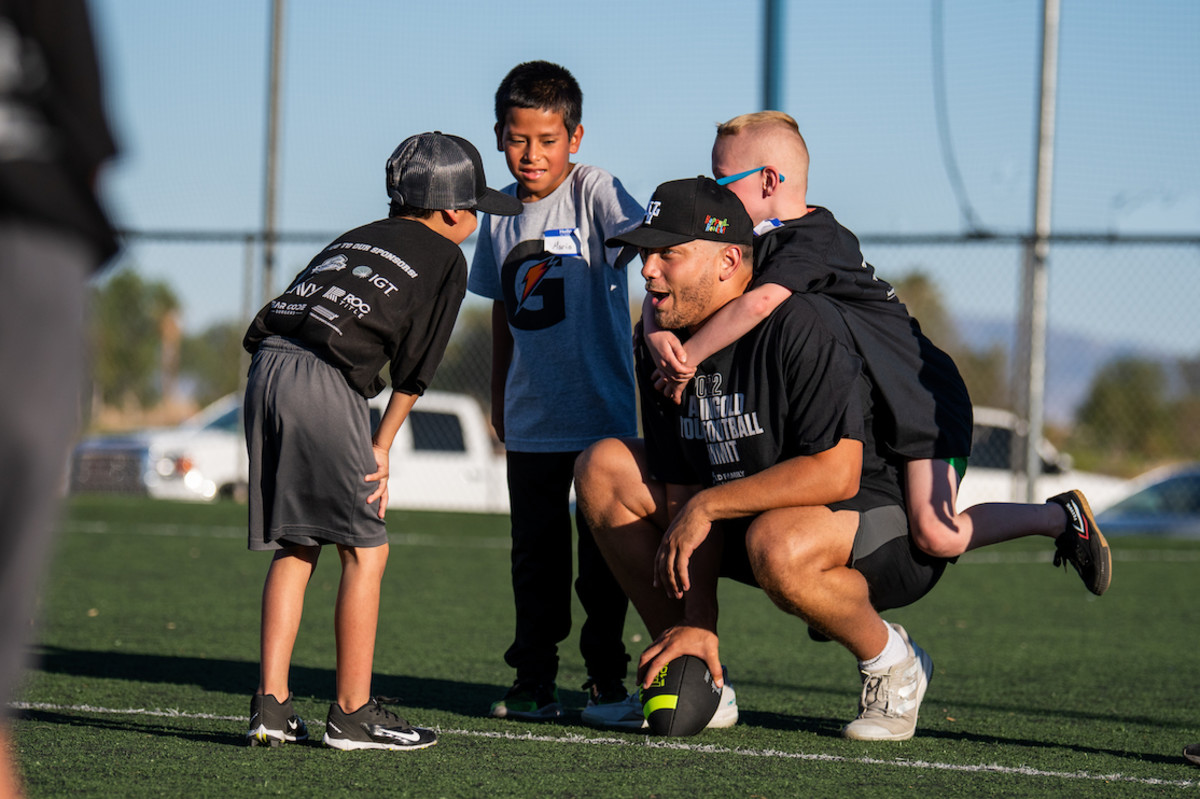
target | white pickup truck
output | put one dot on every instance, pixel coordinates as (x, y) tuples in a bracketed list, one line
[(990, 478), (444, 458)]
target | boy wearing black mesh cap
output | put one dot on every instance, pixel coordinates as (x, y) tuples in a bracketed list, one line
[(384, 293)]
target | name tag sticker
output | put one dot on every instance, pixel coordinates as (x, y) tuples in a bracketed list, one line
[(766, 226), (564, 241)]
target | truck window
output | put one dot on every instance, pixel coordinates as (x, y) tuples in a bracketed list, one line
[(991, 448), (436, 432), (229, 422)]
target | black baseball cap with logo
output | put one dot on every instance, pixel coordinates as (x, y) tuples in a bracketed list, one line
[(689, 209), (443, 172)]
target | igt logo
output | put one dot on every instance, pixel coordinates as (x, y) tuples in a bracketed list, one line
[(378, 281)]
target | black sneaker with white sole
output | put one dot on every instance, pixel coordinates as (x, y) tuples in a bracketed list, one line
[(273, 722), (1082, 545), (529, 700), (373, 727)]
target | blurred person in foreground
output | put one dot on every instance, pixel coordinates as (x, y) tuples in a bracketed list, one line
[(54, 235)]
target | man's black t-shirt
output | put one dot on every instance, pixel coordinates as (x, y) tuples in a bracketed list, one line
[(923, 408), (387, 291), (792, 386)]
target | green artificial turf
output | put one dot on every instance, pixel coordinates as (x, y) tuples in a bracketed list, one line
[(149, 648)]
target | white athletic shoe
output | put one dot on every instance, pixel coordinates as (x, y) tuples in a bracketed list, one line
[(727, 711), (611, 708), (887, 710)]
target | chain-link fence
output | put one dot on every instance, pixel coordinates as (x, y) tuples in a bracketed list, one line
[(1122, 356), (1122, 387)]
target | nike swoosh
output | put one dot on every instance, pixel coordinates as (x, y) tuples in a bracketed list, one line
[(401, 735)]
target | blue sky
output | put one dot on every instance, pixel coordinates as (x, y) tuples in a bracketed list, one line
[(187, 85)]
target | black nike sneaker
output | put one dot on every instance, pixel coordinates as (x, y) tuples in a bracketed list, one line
[(1082, 545), (274, 723), (373, 727)]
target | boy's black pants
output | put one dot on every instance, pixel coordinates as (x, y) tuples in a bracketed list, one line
[(539, 485)]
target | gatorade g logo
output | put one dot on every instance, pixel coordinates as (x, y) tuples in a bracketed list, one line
[(533, 287)]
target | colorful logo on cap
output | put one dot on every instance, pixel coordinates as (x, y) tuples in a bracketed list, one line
[(714, 225)]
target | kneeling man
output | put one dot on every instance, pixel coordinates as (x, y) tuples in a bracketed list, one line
[(767, 472)]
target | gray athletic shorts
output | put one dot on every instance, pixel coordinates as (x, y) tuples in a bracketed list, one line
[(897, 573), (309, 438)]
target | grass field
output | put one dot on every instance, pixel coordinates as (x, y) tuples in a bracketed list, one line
[(149, 656)]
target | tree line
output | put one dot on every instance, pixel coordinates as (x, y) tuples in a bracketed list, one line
[(1137, 413)]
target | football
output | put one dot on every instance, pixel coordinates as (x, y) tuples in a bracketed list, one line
[(682, 699)]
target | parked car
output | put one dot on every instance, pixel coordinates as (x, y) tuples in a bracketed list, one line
[(444, 458), (1163, 502), (201, 459), (990, 477)]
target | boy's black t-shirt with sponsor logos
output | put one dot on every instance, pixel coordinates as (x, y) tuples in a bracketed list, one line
[(792, 386), (385, 292)]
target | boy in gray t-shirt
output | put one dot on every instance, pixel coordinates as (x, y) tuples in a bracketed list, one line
[(562, 378)]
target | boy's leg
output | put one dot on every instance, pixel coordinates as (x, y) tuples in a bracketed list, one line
[(10, 775), (931, 491), (282, 606), (356, 720), (356, 618), (539, 487), (601, 638), (626, 511)]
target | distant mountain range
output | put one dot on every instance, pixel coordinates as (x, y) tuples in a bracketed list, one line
[(1072, 361)]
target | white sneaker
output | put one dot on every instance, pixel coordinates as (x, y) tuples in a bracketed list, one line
[(887, 710), (727, 711), (613, 714)]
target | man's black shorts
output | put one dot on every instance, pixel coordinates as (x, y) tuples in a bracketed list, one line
[(897, 573)]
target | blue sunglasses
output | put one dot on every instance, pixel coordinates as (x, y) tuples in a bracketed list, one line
[(725, 181)]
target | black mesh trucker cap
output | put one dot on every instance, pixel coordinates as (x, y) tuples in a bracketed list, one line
[(439, 171)]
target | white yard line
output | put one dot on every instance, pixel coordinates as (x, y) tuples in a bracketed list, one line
[(988, 768)]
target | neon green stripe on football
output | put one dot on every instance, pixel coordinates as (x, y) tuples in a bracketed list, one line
[(664, 702)]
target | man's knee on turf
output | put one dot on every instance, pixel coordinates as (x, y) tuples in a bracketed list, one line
[(606, 476), (598, 469), (792, 548)]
